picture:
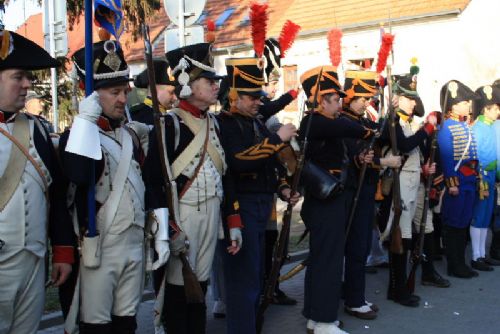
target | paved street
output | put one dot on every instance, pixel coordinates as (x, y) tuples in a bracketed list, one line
[(469, 306)]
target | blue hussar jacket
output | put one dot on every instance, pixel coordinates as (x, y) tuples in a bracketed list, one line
[(496, 128), (486, 145), (452, 140)]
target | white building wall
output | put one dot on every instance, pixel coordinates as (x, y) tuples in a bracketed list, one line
[(465, 48)]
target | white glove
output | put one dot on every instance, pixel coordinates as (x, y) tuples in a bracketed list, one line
[(235, 235), (90, 108), (161, 237)]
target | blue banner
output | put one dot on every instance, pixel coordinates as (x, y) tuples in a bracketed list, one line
[(108, 13)]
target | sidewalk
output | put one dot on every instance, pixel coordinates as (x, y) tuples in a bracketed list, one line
[(468, 306)]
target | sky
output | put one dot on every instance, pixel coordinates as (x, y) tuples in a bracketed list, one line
[(18, 11)]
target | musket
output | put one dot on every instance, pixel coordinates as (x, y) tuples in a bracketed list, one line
[(417, 254), (280, 250), (192, 288), (396, 245)]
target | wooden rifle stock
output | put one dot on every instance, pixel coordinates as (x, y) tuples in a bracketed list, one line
[(418, 256), (281, 246), (396, 245), (192, 288)]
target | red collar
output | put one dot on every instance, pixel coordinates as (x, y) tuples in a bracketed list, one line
[(7, 118), (185, 105), (457, 118), (103, 124)]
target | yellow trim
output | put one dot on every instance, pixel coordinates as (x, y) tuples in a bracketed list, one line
[(364, 75), (242, 61), (315, 71)]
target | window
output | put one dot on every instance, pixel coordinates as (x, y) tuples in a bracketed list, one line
[(224, 16), (290, 82)]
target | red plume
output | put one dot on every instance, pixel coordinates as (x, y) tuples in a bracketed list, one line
[(210, 25), (287, 36), (335, 47), (385, 49), (258, 19)]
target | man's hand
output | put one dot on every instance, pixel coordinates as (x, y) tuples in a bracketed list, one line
[(60, 273), (286, 132), (391, 161), (453, 191), (163, 250), (285, 194), (236, 240), (90, 108), (365, 157), (429, 170), (179, 243)]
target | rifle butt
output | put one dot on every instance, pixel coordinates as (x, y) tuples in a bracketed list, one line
[(396, 246), (192, 288)]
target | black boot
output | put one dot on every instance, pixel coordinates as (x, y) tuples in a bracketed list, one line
[(86, 328), (398, 290), (481, 265), (455, 241), (123, 325), (495, 246), (429, 274)]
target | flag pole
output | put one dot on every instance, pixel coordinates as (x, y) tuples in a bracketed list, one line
[(89, 88)]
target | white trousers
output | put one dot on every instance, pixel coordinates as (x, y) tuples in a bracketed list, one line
[(417, 219), (115, 287), (22, 293), (201, 227), (409, 182)]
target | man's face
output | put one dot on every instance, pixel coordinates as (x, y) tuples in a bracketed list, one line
[(492, 111), (113, 100), (166, 95), (34, 106), (204, 92), (331, 104), (407, 104), (358, 106), (271, 89), (14, 85), (248, 104), (462, 108)]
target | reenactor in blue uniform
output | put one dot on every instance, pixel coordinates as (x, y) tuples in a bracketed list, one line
[(495, 240), (165, 85), (487, 111), (251, 152), (326, 218), (272, 105), (458, 152), (30, 196), (360, 87)]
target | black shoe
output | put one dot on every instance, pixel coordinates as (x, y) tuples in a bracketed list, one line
[(280, 298), (495, 254), (435, 280), (408, 300), (462, 272), (480, 265), (364, 312), (491, 261)]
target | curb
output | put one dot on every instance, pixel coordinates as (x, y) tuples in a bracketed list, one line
[(56, 318)]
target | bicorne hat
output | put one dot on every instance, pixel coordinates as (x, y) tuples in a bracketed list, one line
[(19, 52)]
